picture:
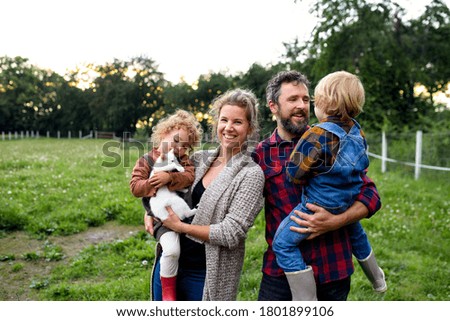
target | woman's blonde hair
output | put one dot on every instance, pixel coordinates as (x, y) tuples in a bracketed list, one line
[(237, 97), (340, 94), (181, 119)]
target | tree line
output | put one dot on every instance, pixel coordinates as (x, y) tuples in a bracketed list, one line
[(393, 57)]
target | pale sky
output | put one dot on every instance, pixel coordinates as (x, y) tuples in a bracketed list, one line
[(184, 37)]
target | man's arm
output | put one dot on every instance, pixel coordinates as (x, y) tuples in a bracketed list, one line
[(323, 221), (369, 196)]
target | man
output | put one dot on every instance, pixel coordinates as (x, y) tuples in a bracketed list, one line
[(328, 248)]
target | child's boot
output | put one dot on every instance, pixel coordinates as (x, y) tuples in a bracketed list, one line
[(302, 284), (374, 273), (169, 288)]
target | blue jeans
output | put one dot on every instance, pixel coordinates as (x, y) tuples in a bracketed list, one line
[(274, 288), (190, 284), (288, 255)]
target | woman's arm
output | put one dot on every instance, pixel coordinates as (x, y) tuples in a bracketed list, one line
[(174, 223), (243, 208)]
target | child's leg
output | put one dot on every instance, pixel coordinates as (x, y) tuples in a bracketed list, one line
[(360, 242), (366, 258), (285, 245), (300, 276), (170, 242)]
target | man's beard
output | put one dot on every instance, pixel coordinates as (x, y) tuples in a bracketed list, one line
[(293, 128)]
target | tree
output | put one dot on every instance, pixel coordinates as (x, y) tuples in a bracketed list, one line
[(373, 41), (256, 79), (431, 34), (126, 92), (28, 95)]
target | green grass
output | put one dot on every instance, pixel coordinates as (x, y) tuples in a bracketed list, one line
[(59, 187), (54, 188)]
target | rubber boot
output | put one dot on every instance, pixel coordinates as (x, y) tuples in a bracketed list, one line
[(169, 288), (374, 273), (302, 284)]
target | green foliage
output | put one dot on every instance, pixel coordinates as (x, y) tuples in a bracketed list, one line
[(7, 257), (27, 95), (17, 267), (390, 55), (49, 253)]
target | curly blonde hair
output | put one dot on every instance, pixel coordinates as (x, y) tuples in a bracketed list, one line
[(181, 119)]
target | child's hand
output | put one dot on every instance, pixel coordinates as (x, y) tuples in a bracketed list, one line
[(148, 223), (159, 179)]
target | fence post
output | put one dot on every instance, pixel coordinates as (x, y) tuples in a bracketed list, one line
[(418, 154), (80, 134), (69, 134), (383, 152)]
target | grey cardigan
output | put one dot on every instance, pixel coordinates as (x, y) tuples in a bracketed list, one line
[(229, 205)]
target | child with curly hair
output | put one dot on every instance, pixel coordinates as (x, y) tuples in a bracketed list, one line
[(181, 132)]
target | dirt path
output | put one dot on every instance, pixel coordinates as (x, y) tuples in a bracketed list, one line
[(15, 281)]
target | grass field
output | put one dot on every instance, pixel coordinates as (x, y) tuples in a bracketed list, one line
[(71, 230)]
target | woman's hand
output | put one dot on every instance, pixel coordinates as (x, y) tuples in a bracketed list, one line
[(148, 222), (173, 222), (318, 223)]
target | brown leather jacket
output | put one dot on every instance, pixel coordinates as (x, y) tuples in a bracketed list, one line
[(139, 185)]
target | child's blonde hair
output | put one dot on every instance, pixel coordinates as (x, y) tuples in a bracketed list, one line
[(181, 119), (340, 94)]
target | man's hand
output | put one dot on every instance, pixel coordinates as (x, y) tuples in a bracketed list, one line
[(318, 223), (159, 179)]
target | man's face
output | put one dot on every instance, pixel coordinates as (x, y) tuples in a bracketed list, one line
[(292, 110)]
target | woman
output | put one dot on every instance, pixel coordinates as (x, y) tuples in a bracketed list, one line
[(227, 192)]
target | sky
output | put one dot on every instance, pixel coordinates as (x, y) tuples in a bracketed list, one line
[(186, 38)]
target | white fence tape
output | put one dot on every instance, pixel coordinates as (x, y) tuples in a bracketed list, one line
[(408, 163)]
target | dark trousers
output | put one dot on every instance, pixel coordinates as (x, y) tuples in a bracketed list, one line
[(277, 289)]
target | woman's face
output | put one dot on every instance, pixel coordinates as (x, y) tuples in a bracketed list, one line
[(232, 128), (178, 139)]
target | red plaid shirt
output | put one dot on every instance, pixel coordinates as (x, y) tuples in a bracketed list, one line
[(330, 254)]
